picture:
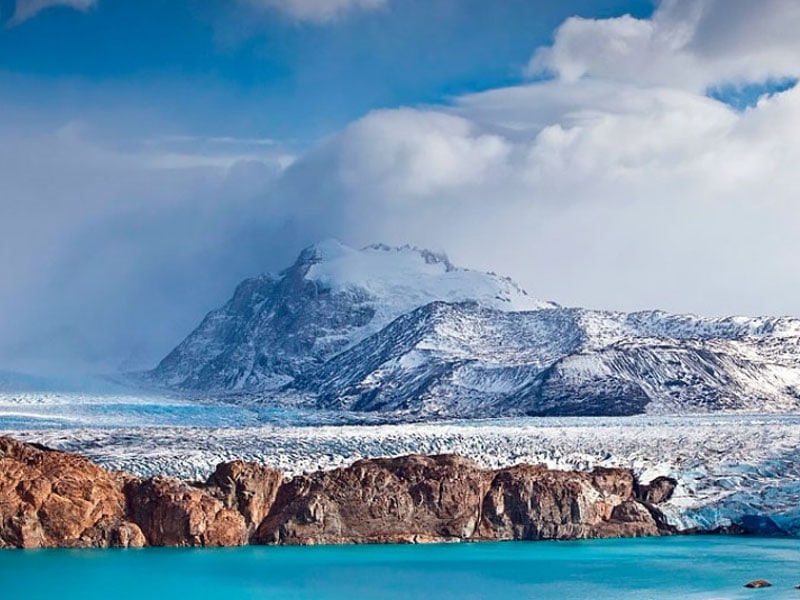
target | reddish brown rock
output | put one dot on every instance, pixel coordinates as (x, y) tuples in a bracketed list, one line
[(387, 500), (442, 498), (249, 488), (657, 491), (528, 502), (173, 513), (50, 499)]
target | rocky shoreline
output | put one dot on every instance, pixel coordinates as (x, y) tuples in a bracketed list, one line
[(52, 499)]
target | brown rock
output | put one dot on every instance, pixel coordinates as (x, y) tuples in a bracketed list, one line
[(758, 583), (441, 498), (113, 533), (657, 491), (173, 513), (249, 488), (388, 500), (531, 503), (50, 499)]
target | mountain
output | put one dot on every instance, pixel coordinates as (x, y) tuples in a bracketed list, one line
[(277, 327), (401, 330), (470, 360)]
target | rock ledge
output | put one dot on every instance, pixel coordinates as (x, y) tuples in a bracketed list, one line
[(56, 499)]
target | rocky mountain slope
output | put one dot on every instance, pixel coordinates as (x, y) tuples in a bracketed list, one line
[(276, 327), (402, 330), (54, 499)]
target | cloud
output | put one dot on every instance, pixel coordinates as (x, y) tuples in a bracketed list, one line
[(691, 44), (607, 186), (316, 11), (25, 9), (414, 153), (319, 12), (120, 252)]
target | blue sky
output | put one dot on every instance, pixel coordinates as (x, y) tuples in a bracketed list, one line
[(222, 68), (604, 153)]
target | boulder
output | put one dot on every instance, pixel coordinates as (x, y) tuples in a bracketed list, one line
[(758, 583)]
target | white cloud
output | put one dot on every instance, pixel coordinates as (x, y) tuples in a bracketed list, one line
[(316, 11), (25, 9), (415, 153), (606, 188), (611, 186), (693, 44)]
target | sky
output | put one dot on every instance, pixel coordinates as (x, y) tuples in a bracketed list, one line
[(611, 154)]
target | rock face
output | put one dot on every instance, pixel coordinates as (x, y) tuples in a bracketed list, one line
[(248, 488), (532, 503), (387, 500), (448, 498), (657, 491), (50, 499), (173, 513)]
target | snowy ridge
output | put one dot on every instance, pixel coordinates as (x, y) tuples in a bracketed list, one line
[(467, 360), (406, 277), (404, 331)]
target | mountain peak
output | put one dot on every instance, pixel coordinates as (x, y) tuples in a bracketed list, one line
[(401, 278), (326, 249), (429, 256), (331, 249), (333, 297)]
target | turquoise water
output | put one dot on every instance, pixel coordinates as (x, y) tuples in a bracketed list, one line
[(684, 568)]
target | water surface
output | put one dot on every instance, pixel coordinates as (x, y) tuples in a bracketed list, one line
[(686, 568)]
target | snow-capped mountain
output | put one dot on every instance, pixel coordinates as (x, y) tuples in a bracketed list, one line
[(470, 360), (402, 330), (277, 327)]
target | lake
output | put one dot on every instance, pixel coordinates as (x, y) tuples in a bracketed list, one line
[(702, 567)]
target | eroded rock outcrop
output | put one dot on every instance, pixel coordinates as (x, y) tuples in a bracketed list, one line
[(384, 500), (174, 513), (249, 488), (657, 491), (50, 498), (444, 498), (529, 502)]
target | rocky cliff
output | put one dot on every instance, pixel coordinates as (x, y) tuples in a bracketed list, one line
[(55, 499)]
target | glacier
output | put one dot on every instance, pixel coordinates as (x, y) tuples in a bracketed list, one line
[(731, 468)]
